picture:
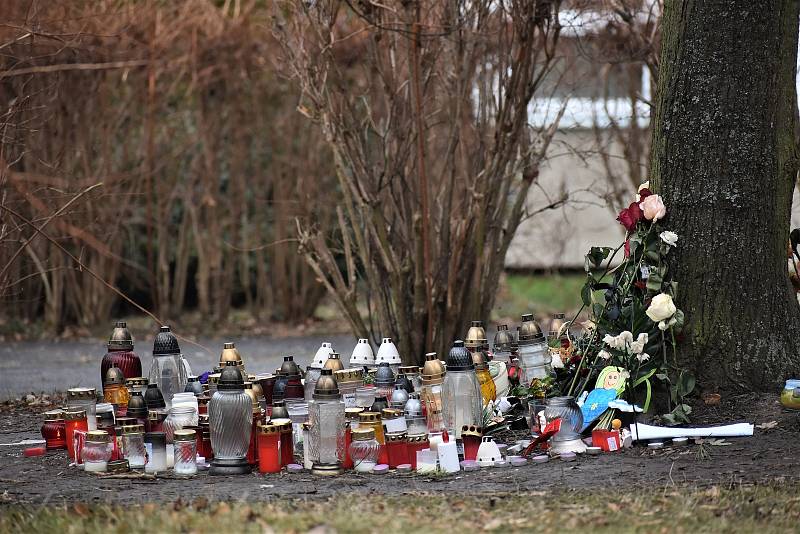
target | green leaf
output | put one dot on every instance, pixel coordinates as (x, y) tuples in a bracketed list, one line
[(686, 382), (586, 295)]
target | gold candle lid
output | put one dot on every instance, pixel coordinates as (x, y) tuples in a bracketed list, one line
[(133, 429), (268, 428), (363, 434), (471, 430), (82, 393), (74, 415), (284, 424), (349, 375), (53, 415), (351, 414), (417, 438), (396, 436), (369, 417), (97, 436), (390, 413), (184, 434)]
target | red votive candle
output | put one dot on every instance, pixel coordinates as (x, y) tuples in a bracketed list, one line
[(287, 443), (74, 420), (396, 449), (269, 448), (416, 442), (471, 437), (54, 430), (252, 450)]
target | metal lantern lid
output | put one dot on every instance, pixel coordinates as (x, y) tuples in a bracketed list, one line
[(268, 428), (165, 342), (229, 354), (54, 415), (97, 436), (137, 407), (133, 429), (279, 410), (351, 414), (334, 362), (289, 367), (153, 397), (471, 430), (413, 407), (529, 331), (390, 413), (459, 358), (74, 415), (432, 370), (121, 338), (138, 381), (184, 434), (476, 335), (503, 339), (114, 377), (326, 387), (349, 375), (363, 434), (384, 375), (230, 379), (369, 417), (82, 394), (396, 437)]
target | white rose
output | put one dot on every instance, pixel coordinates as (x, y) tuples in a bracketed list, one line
[(670, 238), (643, 357), (661, 307), (663, 325), (645, 185), (625, 339), (604, 355), (637, 347), (610, 340)]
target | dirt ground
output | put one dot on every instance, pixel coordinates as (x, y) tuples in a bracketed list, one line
[(767, 458)]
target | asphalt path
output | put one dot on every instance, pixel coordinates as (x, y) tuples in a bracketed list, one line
[(48, 366)]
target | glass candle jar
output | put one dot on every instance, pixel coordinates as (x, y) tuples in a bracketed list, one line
[(349, 381), (112, 440), (133, 445), (462, 402), (393, 421), (298, 411), (471, 437), (397, 448), (286, 441), (74, 420), (788, 398), (432, 377), (566, 409), (114, 390), (269, 452), (347, 462), (415, 419), (326, 415), (185, 444), (104, 412), (178, 417), (307, 463), (168, 370), (373, 420), (267, 382), (399, 397), (535, 360), (54, 430), (155, 420), (85, 399), (384, 380), (312, 374), (411, 372), (230, 414), (416, 442), (364, 450), (120, 353), (155, 444), (96, 451), (365, 396)]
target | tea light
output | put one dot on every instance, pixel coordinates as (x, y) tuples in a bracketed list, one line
[(593, 451), (380, 469), (517, 461), (294, 468), (656, 445), (541, 459), (502, 463), (568, 456)]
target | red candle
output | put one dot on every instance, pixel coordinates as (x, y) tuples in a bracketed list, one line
[(396, 449), (269, 448), (252, 450), (347, 462), (54, 430), (287, 443), (74, 420), (416, 442), (471, 437)]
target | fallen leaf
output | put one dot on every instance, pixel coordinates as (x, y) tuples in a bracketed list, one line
[(767, 426)]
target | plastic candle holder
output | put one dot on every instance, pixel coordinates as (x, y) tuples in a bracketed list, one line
[(269, 451)]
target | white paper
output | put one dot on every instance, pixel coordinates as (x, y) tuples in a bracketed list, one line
[(642, 432)]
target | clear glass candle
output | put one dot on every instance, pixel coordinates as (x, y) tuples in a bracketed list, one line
[(432, 377), (133, 445), (364, 450), (349, 381), (326, 415), (85, 399), (185, 443), (365, 396), (155, 444), (462, 402), (535, 360), (178, 417), (96, 451), (230, 414)]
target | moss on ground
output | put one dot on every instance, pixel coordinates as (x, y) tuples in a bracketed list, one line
[(773, 508)]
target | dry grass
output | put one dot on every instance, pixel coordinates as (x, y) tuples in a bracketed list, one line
[(740, 509)]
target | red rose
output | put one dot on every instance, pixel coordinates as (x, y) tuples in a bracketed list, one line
[(630, 216), (644, 193)]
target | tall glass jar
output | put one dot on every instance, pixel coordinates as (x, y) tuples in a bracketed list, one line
[(384, 380), (349, 381), (133, 445), (534, 359), (85, 399), (185, 441), (312, 375), (230, 414), (168, 370), (96, 451), (411, 372), (462, 402), (364, 450), (155, 444), (487, 387), (326, 411), (415, 419), (432, 378), (298, 411), (120, 353)]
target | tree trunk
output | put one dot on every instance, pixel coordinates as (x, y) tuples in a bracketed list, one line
[(724, 159)]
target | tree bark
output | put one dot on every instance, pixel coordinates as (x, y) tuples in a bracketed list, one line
[(724, 159)]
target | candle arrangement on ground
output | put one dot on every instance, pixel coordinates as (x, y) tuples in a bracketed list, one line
[(558, 390)]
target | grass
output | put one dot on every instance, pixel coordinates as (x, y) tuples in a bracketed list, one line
[(739, 509), (540, 294)]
